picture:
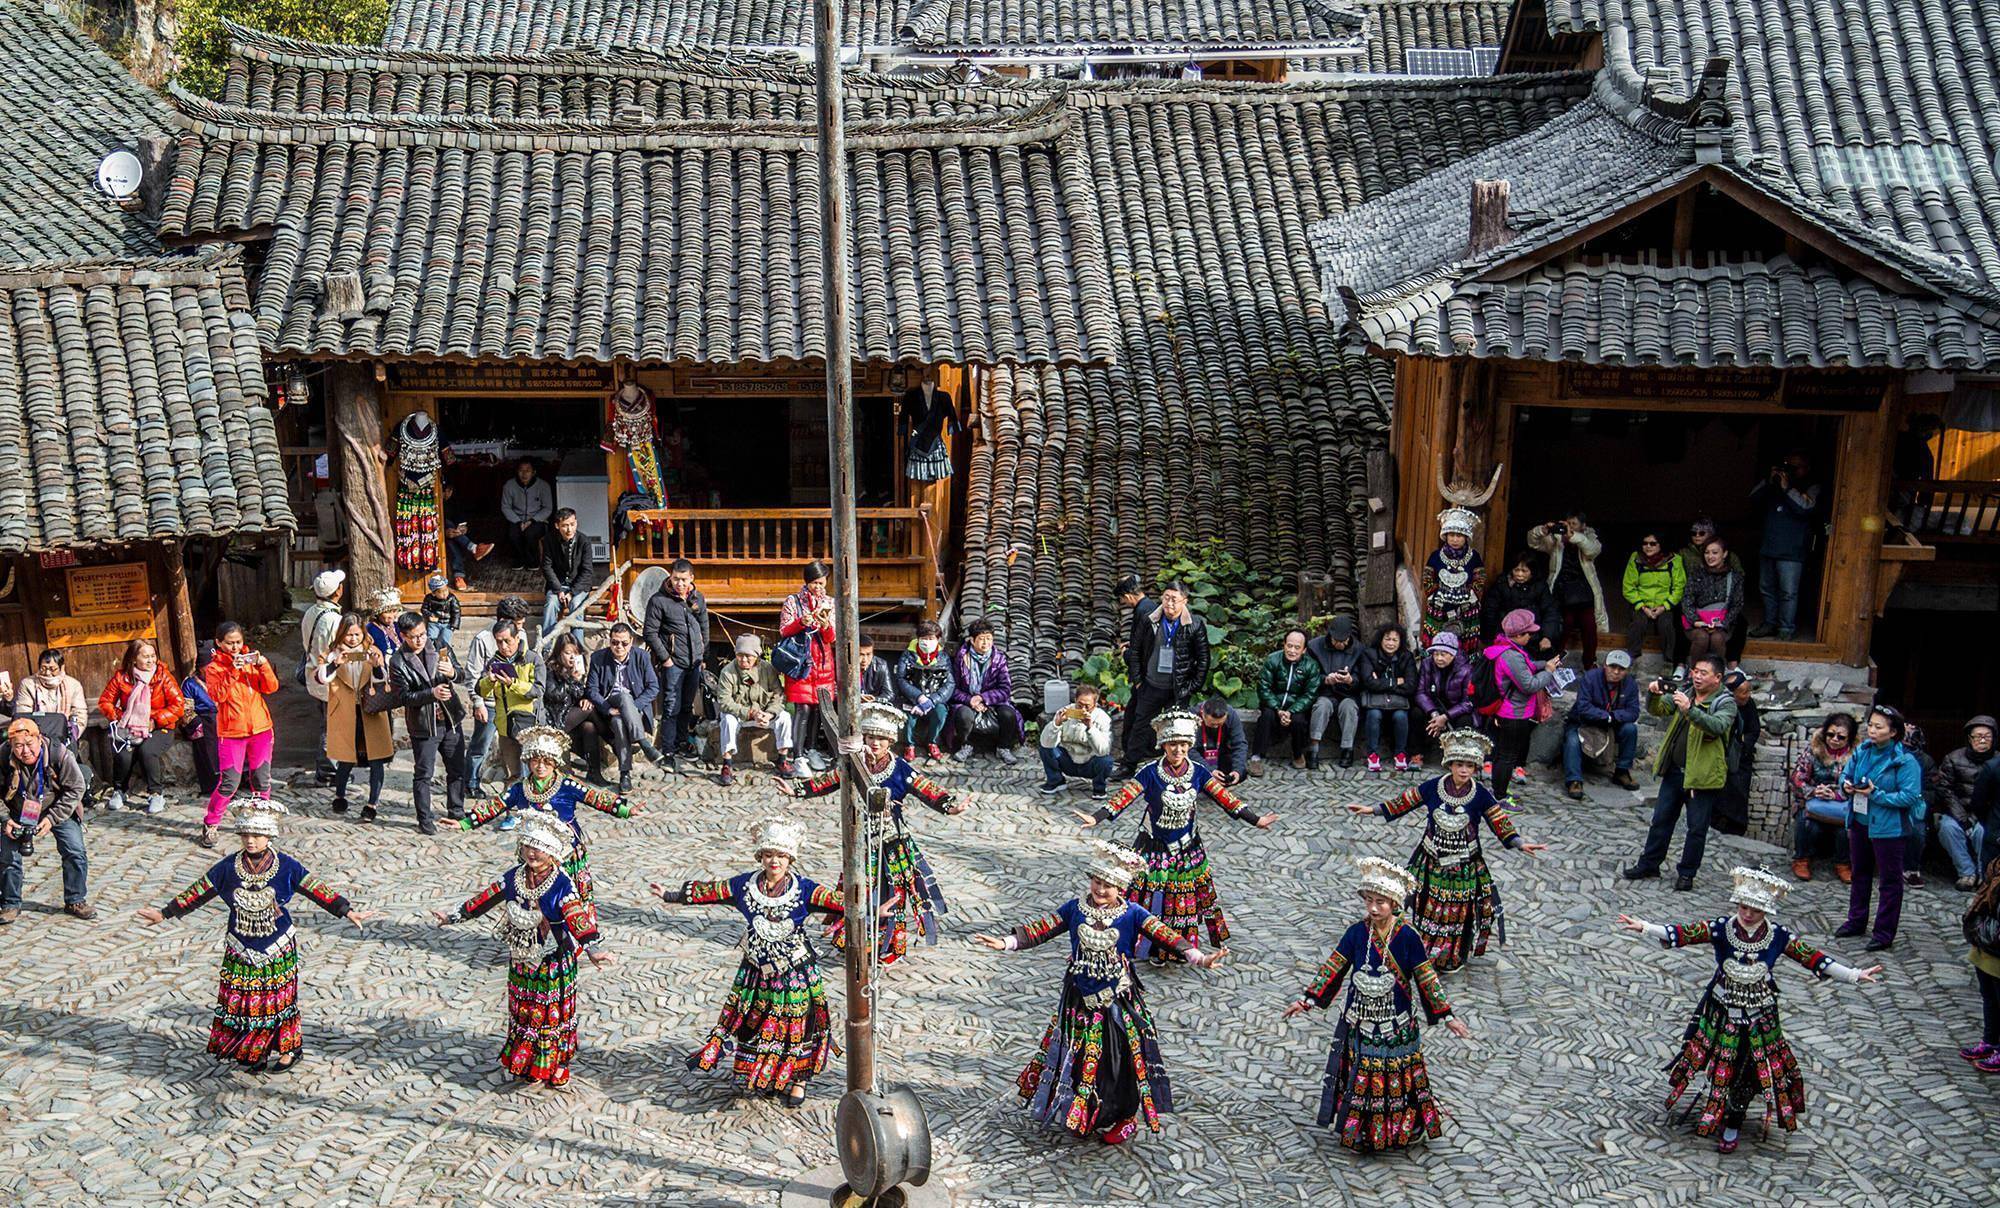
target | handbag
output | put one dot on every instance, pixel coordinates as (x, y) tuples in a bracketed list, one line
[(792, 656), (986, 721), (377, 696), (1982, 931)]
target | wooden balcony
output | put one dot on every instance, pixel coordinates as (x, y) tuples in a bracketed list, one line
[(750, 558), (1947, 511)]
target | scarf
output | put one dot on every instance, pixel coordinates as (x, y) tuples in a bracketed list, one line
[(138, 719), (975, 670)]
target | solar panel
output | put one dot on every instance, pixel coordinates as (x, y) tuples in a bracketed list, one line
[(1440, 61)]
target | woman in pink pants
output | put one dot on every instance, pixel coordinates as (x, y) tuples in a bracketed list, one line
[(239, 679)]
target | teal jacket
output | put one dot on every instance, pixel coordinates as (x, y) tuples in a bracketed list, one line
[(1288, 687), (1707, 723), (1897, 803)]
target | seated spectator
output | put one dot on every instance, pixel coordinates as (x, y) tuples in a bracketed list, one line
[(1338, 656), (1700, 533), (1220, 743), (1655, 580), (1607, 700), (527, 503), (622, 690), (1077, 742), (566, 570), (442, 615), (924, 685), (1444, 687), (53, 699), (1818, 802), (750, 697), (1388, 692), (1522, 589), (1571, 546), (1959, 829), (1713, 601), (1286, 687), (876, 680), (566, 703), (982, 697), (143, 705), (460, 550)]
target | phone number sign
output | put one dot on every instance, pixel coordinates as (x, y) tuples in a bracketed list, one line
[(100, 590)]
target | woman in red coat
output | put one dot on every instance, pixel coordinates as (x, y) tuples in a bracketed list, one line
[(143, 704), (810, 611)]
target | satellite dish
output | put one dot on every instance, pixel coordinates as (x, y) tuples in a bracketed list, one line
[(119, 175)]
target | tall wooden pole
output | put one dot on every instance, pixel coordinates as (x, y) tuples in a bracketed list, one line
[(846, 564)]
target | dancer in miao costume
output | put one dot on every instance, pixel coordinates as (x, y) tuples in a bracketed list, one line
[(545, 788), (1453, 578), (544, 922), (1734, 1038), (907, 895), (1455, 906), (775, 1018), (1377, 1093), (1177, 886), (1098, 1069), (257, 1004)]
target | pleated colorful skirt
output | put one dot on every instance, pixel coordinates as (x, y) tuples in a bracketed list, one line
[(257, 1006), (1454, 908), (776, 1025), (902, 872), (1098, 1067), (1743, 1059), (1178, 889), (541, 1019), (1377, 1093)]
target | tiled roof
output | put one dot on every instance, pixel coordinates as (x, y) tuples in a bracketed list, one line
[(573, 210), (1054, 25), (64, 106), (1886, 110), (1773, 313), (1230, 410), (1395, 26), (132, 404)]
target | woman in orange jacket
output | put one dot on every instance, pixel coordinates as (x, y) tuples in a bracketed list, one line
[(143, 704), (239, 679)]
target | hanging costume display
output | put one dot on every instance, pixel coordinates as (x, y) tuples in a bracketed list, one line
[(417, 505), (901, 875), (633, 428), (775, 1020), (558, 797), (1452, 581)]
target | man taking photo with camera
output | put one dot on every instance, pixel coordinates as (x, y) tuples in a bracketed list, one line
[(1692, 764)]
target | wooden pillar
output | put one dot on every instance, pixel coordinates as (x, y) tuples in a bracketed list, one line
[(354, 423), (1854, 551), (180, 608)]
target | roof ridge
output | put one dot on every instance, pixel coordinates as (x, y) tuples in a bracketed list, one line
[(165, 268), (1530, 84)]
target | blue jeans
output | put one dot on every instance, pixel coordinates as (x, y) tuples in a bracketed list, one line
[(457, 553), (1961, 843), (1628, 750), (477, 748), (439, 634), (1399, 726), (922, 729), (1778, 582), (1700, 805), (1057, 763), (552, 611), (68, 835), (675, 682)]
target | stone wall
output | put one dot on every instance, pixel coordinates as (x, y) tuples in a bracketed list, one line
[(1793, 699)]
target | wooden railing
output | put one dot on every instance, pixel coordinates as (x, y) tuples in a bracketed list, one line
[(752, 556), (1943, 510)]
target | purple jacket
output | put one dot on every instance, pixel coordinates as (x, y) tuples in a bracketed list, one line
[(998, 687), (1446, 690)]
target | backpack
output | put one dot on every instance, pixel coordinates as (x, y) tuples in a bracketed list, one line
[(792, 656), (1487, 695), (1982, 930)]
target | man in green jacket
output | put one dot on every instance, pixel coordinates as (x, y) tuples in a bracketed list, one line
[(1692, 764), (1285, 690)]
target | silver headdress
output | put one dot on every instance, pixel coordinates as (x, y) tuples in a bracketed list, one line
[(1465, 745), (878, 720), (1462, 521), (1115, 865), (257, 816), (1757, 889), (545, 833), (781, 835), (544, 742), (1176, 725), (1383, 879)]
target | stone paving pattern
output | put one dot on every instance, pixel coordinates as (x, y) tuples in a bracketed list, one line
[(107, 1097)]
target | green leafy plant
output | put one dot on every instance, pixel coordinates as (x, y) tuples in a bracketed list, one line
[(1107, 671), (1247, 613), (203, 44)]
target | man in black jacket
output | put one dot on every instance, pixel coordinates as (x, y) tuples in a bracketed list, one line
[(1221, 743), (425, 680), (1337, 653), (1132, 594), (566, 570), (1167, 663), (676, 632)]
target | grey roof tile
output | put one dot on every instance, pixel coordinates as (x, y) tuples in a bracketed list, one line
[(1396, 26)]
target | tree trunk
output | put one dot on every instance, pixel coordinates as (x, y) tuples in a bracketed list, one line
[(354, 420)]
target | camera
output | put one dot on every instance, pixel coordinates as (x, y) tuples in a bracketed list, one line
[(246, 658)]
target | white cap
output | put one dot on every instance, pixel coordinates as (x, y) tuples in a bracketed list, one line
[(327, 582)]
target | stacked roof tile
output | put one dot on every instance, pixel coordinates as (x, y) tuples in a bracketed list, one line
[(132, 396)]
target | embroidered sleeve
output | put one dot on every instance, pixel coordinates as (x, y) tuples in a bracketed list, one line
[(1396, 807), (484, 810), (1430, 992), (930, 792), (1503, 826), (328, 898), (483, 901), (1818, 963), (190, 898), (706, 893), (1027, 935), (826, 901), (610, 803), (1326, 983), (1124, 797), (819, 786), (1230, 802), (1165, 936), (1684, 935), (581, 919)]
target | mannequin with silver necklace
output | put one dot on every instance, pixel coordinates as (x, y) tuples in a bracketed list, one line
[(1455, 906), (256, 1009)]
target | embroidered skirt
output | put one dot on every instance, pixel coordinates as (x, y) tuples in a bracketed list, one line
[(776, 1024), (1098, 1066), (1742, 1059), (900, 872), (1377, 1093), (257, 1006), (1179, 890), (929, 463), (1455, 909), (1440, 615), (541, 1019)]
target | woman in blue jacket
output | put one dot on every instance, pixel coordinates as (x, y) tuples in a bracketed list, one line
[(1885, 800)]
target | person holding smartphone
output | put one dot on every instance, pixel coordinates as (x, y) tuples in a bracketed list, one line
[(1885, 789), (351, 671), (238, 679)]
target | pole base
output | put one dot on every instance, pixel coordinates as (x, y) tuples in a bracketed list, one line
[(826, 1187)]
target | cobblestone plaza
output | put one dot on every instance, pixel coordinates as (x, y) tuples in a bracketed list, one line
[(106, 1096)]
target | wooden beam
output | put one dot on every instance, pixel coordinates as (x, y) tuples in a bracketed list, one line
[(1854, 551), (354, 430), (1684, 221), (173, 554)]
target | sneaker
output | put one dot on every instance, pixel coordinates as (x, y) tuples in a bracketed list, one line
[(80, 910), (909, 752), (1009, 755), (480, 549), (1256, 765), (1374, 762), (9, 915), (1402, 762), (1520, 775), (156, 804), (1623, 779), (368, 813), (727, 776), (1988, 1065), (673, 765), (508, 822), (115, 801), (1054, 788), (1978, 1052), (1486, 769), (207, 838), (785, 769), (1640, 873), (1914, 879), (932, 753), (1099, 794), (963, 754), (1575, 790), (1416, 761), (1967, 882), (1683, 884)]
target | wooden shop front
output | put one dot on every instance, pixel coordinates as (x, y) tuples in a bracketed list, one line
[(89, 602)]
